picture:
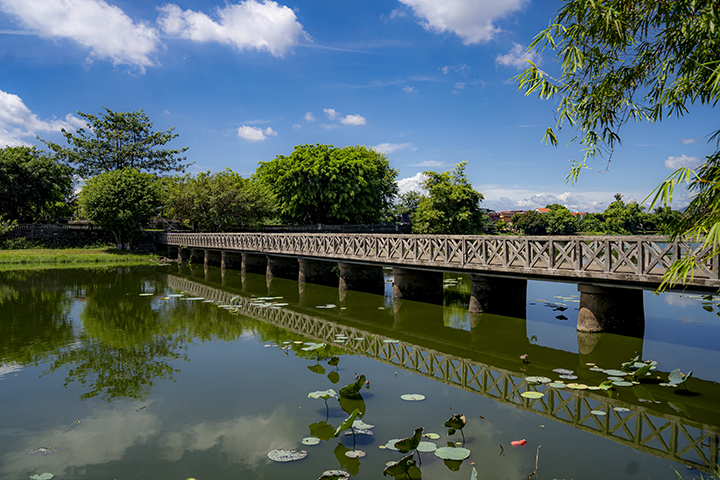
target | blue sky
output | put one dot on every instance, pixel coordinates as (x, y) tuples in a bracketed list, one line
[(426, 81)]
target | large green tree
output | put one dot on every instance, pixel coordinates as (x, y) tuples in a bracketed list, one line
[(33, 187), (452, 205), (115, 140), (330, 185), (219, 202), (639, 60), (121, 201)]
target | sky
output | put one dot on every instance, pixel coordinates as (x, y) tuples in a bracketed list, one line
[(427, 82)]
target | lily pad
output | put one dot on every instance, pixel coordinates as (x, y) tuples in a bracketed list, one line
[(616, 379), (284, 455), (568, 377), (432, 436), (310, 441), (577, 386), (531, 394), (621, 409), (426, 447), (450, 453), (623, 384), (355, 454), (563, 371), (598, 412), (142, 295), (313, 346), (391, 443), (538, 379), (334, 475), (44, 476), (557, 385), (615, 373), (388, 340), (193, 298), (412, 397), (362, 425)]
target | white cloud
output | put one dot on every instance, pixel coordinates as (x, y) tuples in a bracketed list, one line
[(673, 163), (411, 183), (105, 29), (331, 113), (687, 141), (309, 117), (392, 147), (255, 134), (408, 88), (429, 163), (461, 69), (246, 25), (398, 13), (471, 20), (18, 122), (517, 57), (353, 120), (297, 126), (459, 86)]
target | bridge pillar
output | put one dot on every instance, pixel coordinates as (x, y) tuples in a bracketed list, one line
[(213, 258), (608, 348), (253, 263), (231, 260), (423, 286), (362, 278), (282, 267), (609, 309), (183, 255), (197, 256), (501, 296), (318, 272)]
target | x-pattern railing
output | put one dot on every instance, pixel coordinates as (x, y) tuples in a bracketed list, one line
[(621, 259), (671, 437)]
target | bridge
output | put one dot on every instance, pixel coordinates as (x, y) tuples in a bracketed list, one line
[(653, 428), (610, 271)]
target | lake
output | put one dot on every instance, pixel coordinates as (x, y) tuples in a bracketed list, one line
[(179, 372)]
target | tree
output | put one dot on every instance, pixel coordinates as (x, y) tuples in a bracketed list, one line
[(642, 60), (219, 202), (325, 184), (33, 187), (121, 201), (115, 140), (451, 206), (531, 223), (560, 221), (407, 204)]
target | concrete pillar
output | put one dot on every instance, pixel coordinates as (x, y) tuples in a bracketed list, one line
[(362, 278), (197, 256), (423, 286), (231, 260), (318, 272), (608, 348), (253, 263), (172, 251), (282, 267), (498, 295), (183, 255), (610, 309), (213, 258)]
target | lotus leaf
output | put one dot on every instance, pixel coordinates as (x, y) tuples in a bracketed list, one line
[(400, 467), (325, 394), (426, 447), (352, 390), (322, 430), (615, 373), (310, 441), (597, 412), (410, 443), (44, 476), (412, 397), (616, 379), (193, 298), (622, 384), (563, 371), (473, 476), (457, 421), (677, 377), (387, 340), (391, 443), (142, 295), (432, 436), (557, 385), (607, 384), (621, 409), (362, 425), (358, 431), (283, 455), (334, 475), (334, 361), (450, 453), (569, 377), (577, 386), (532, 394), (347, 423), (319, 369), (538, 379), (313, 346), (643, 371), (668, 385), (333, 376), (354, 454), (593, 387)]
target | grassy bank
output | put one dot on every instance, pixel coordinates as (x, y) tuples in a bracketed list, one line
[(72, 257)]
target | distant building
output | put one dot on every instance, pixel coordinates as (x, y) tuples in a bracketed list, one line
[(507, 215)]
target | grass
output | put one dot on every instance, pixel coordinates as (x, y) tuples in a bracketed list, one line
[(71, 257)]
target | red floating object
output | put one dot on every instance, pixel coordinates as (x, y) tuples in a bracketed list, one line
[(516, 443)]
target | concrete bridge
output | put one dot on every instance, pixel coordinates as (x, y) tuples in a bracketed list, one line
[(611, 272), (460, 359)]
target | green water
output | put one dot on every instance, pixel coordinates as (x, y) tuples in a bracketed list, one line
[(119, 385)]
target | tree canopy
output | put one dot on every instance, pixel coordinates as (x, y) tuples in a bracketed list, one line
[(330, 185), (33, 187), (644, 61), (558, 221), (451, 207), (120, 201), (116, 140)]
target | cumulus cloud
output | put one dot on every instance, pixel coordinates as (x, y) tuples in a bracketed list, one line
[(255, 134), (309, 117), (331, 113), (247, 25), (104, 29), (500, 199), (297, 126), (408, 88), (461, 69), (18, 122), (353, 120), (392, 147), (687, 141), (429, 163), (471, 20), (411, 183), (673, 163), (518, 58)]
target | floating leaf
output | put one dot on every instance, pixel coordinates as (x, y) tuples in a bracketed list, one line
[(283, 455), (319, 369), (313, 346), (310, 441), (538, 379), (391, 443), (324, 394), (352, 390), (568, 377), (615, 373), (557, 385), (410, 443), (622, 384), (616, 379), (577, 386), (450, 453), (674, 385), (597, 412), (334, 475), (322, 430), (532, 394), (333, 376), (347, 423), (678, 377), (432, 436), (642, 371), (193, 298), (607, 384), (412, 397), (400, 467), (355, 454), (334, 361), (142, 295), (426, 447), (563, 371), (44, 476), (621, 409), (387, 340)]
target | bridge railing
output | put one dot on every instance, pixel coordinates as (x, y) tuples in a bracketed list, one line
[(641, 259)]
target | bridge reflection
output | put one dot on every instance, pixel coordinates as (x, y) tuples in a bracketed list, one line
[(485, 360)]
